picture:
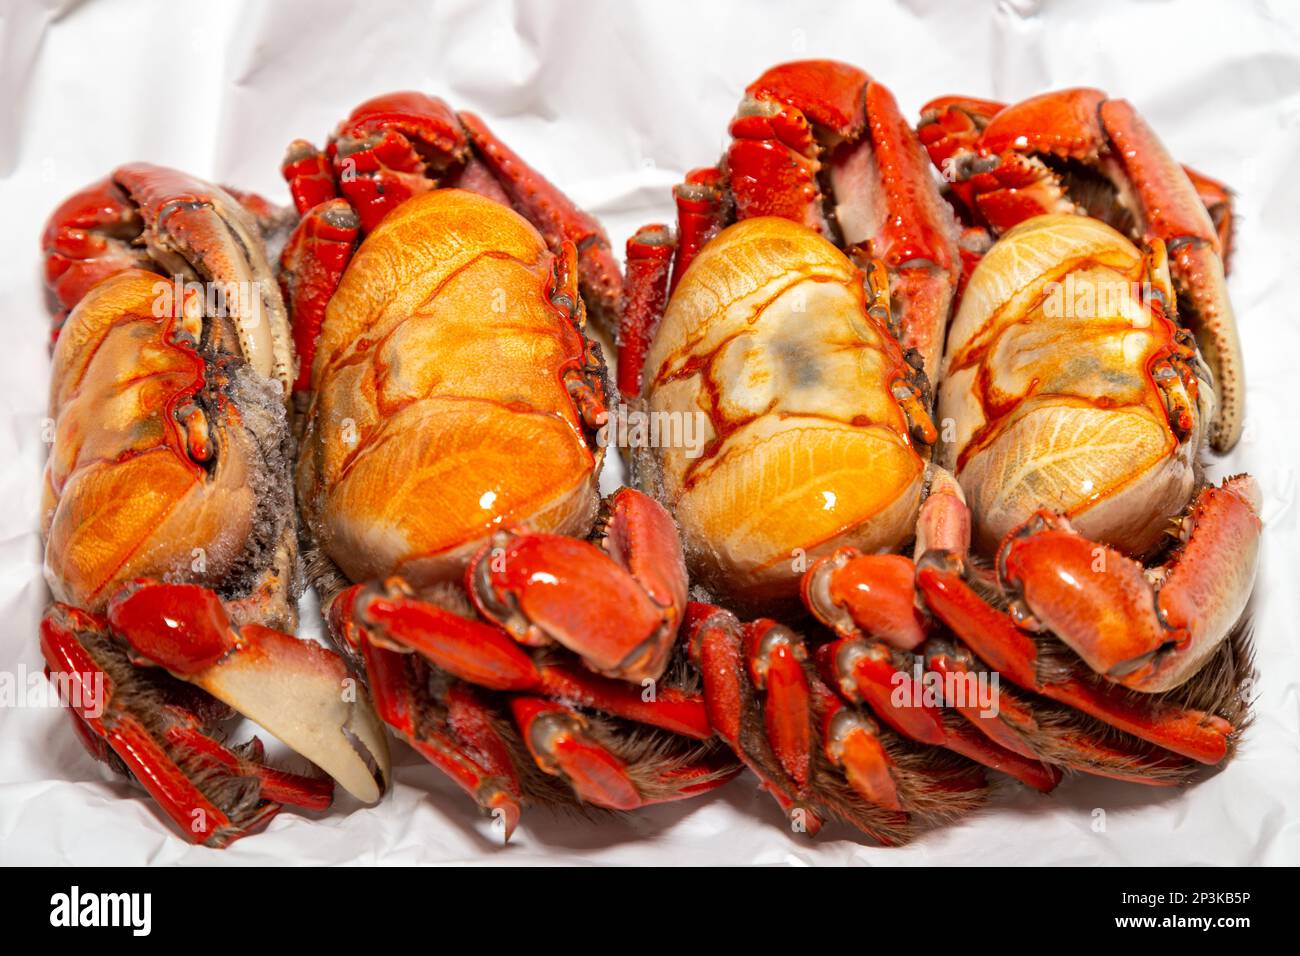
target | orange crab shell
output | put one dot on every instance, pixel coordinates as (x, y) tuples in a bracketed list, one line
[(441, 410), (123, 498), (804, 449), (1049, 383)]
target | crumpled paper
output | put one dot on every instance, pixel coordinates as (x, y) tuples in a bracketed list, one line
[(615, 102)]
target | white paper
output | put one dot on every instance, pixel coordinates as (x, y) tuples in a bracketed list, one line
[(615, 101)]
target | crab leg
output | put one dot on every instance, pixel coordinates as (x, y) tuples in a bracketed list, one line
[(192, 228), (487, 656), (766, 704), (717, 645), (1015, 727), (88, 238), (701, 214), (1172, 210), (184, 629), (555, 216), (869, 672), (994, 636), (299, 790), (389, 149), (645, 297), (463, 742), (557, 738), (311, 268)]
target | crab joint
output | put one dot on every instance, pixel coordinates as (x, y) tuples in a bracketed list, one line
[(194, 429)]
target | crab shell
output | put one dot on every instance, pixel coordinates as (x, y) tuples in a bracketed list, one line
[(1048, 391), (440, 409), (166, 462), (769, 344)]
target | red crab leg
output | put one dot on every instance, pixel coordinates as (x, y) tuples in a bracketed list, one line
[(555, 216), (472, 650), (310, 177), (464, 744), (772, 164), (293, 688), (557, 738), (1015, 727), (1217, 199), (311, 267), (485, 655), (1005, 647), (299, 790), (617, 608), (700, 216), (1100, 603), (773, 158), (200, 820), (774, 656), (853, 594), (867, 672), (1172, 211), (717, 646), (852, 742), (951, 126), (669, 709), (645, 297)]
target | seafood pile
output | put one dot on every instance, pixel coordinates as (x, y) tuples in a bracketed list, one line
[(946, 526)]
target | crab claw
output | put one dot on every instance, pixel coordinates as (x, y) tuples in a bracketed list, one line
[(556, 217), (194, 228), (1147, 637), (153, 728), (299, 691), (88, 238), (617, 606)]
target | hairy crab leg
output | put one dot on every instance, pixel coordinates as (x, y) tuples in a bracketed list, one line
[(487, 656), (872, 673), (1001, 644), (735, 713), (875, 596), (461, 741), (768, 706)]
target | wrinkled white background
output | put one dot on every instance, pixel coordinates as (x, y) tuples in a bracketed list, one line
[(614, 101)]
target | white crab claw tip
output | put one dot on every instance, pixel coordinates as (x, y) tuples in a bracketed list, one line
[(303, 694)]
